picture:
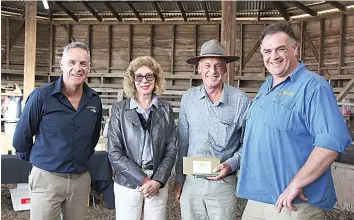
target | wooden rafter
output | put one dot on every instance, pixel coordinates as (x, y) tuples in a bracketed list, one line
[(279, 6), (312, 48), (252, 51), (205, 8), (341, 43), (50, 16), (303, 8), (337, 5), (180, 7), (90, 9), (346, 89), (157, 8), (67, 30), (113, 11), (67, 11), (137, 15)]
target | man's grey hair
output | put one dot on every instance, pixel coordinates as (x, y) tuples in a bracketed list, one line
[(77, 45)]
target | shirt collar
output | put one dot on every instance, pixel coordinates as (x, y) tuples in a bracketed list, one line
[(296, 73), (58, 88), (135, 104), (293, 76), (223, 99)]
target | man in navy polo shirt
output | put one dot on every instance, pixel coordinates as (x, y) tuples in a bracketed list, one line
[(65, 118), (294, 132)]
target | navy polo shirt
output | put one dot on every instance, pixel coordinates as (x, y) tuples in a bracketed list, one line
[(65, 138)]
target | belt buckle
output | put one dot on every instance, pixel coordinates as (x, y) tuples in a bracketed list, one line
[(147, 167)]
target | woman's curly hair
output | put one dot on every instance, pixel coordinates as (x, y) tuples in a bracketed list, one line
[(148, 61)]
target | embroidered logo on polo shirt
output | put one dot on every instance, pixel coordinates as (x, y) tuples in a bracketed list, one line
[(287, 93), (92, 108)]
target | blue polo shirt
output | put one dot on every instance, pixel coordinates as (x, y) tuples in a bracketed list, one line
[(284, 124), (65, 138)]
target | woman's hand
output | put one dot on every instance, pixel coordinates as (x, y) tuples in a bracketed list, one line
[(150, 189)]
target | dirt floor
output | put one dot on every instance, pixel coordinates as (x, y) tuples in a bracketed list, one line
[(99, 212)]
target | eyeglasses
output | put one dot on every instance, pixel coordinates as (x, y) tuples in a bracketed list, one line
[(148, 77)]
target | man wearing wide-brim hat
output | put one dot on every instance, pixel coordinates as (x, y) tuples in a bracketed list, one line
[(210, 126)]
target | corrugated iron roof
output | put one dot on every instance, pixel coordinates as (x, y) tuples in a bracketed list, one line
[(169, 9)]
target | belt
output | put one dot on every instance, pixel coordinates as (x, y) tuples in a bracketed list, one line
[(147, 167), (204, 177), (67, 175)]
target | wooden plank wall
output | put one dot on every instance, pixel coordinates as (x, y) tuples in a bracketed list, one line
[(343, 177), (328, 47)]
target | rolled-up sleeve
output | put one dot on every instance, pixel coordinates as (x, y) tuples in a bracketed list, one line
[(28, 125), (325, 122)]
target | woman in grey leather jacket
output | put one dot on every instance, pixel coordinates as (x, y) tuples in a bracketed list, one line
[(142, 143)]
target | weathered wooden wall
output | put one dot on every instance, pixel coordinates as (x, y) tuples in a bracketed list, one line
[(326, 46), (113, 46), (343, 177)]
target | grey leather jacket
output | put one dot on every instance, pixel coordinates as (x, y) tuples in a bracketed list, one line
[(126, 141)]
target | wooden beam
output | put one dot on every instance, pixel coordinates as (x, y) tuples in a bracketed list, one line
[(302, 40), (50, 16), (7, 49), (346, 89), (205, 8), (157, 8), (173, 48), (89, 42), (30, 47), (195, 45), (68, 31), (258, 11), (337, 5), (90, 9), (180, 7), (312, 48), (321, 45), (113, 11), (252, 51), (279, 6), (13, 40), (241, 54), (66, 10), (341, 43), (89, 36), (137, 15), (228, 26), (303, 8), (70, 34), (130, 33), (152, 35), (109, 47), (310, 44)]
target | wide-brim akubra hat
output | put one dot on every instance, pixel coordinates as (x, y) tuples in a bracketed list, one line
[(212, 48)]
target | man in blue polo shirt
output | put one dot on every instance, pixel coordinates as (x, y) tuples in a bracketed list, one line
[(65, 118), (294, 132)]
